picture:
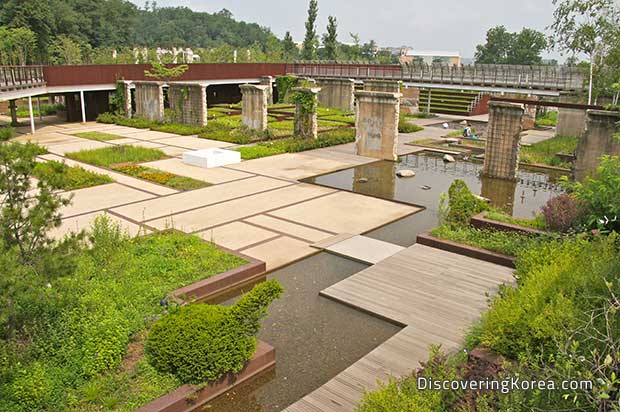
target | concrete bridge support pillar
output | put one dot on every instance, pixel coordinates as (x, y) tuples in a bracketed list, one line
[(337, 93), (571, 122), (306, 124), (376, 124), (149, 100), (501, 158), (268, 81), (390, 86), (127, 99), (254, 105), (188, 103), (598, 140)]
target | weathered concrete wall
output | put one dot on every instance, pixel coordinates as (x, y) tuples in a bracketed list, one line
[(501, 157), (571, 122), (598, 140), (336, 93), (306, 124), (254, 105), (409, 102), (268, 81), (188, 103), (390, 86), (149, 100), (376, 124)]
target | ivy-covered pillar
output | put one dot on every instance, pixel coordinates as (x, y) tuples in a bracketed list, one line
[(149, 100), (268, 81), (599, 139), (188, 103), (254, 106), (376, 124), (306, 103), (284, 86)]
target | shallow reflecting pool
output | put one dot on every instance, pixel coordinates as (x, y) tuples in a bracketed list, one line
[(433, 177), (315, 338)]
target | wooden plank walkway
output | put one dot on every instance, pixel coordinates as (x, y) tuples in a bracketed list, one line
[(434, 294)]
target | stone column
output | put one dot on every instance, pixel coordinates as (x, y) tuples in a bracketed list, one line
[(306, 121), (598, 140), (188, 103), (337, 93), (409, 103), (571, 122), (127, 99), (149, 100), (13, 109), (254, 105), (501, 157), (390, 86), (268, 81), (376, 124)]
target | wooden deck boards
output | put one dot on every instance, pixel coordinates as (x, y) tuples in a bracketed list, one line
[(434, 294)]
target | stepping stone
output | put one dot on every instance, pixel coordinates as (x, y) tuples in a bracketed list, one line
[(362, 249)]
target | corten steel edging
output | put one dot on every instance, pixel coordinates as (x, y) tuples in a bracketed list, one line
[(479, 221), (110, 73), (548, 104), (190, 397), (466, 250)]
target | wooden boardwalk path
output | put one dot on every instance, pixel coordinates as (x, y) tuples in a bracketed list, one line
[(434, 294)]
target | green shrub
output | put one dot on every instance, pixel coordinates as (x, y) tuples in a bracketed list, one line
[(108, 156), (405, 126), (507, 243), (6, 133), (46, 110), (460, 206), (283, 85), (69, 178), (601, 195), (201, 342), (548, 119)]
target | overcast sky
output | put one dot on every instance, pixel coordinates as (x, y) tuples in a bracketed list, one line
[(423, 24)]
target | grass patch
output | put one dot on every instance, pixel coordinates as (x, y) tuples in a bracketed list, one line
[(548, 119), (86, 354), (70, 177), (6, 133), (108, 156), (293, 145), (535, 223), (99, 136), (407, 127), (341, 118), (508, 243), (420, 115), (545, 152), (160, 177)]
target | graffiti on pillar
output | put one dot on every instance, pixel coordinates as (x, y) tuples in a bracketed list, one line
[(373, 127)]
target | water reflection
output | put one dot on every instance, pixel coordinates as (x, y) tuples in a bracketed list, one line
[(500, 192)]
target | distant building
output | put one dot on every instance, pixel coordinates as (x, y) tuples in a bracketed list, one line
[(430, 57)]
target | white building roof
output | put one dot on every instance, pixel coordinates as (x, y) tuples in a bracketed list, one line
[(433, 53)]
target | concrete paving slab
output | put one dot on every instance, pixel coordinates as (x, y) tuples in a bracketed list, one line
[(173, 151), (364, 249), (193, 143), (144, 134), (345, 212), (101, 197), (289, 228), (293, 166), (84, 222), (236, 235), (165, 206), (45, 138), (226, 212), (280, 251), (119, 177), (214, 175), (332, 240), (76, 146)]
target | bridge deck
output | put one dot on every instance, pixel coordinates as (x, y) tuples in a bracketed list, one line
[(435, 294)]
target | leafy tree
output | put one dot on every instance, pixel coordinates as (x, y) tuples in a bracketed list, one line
[(496, 48), (308, 51), (37, 15), (290, 51), (65, 50), (504, 47), (162, 72), (26, 214), (586, 26), (330, 39)]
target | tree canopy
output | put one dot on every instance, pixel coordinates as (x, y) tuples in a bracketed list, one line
[(504, 47)]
